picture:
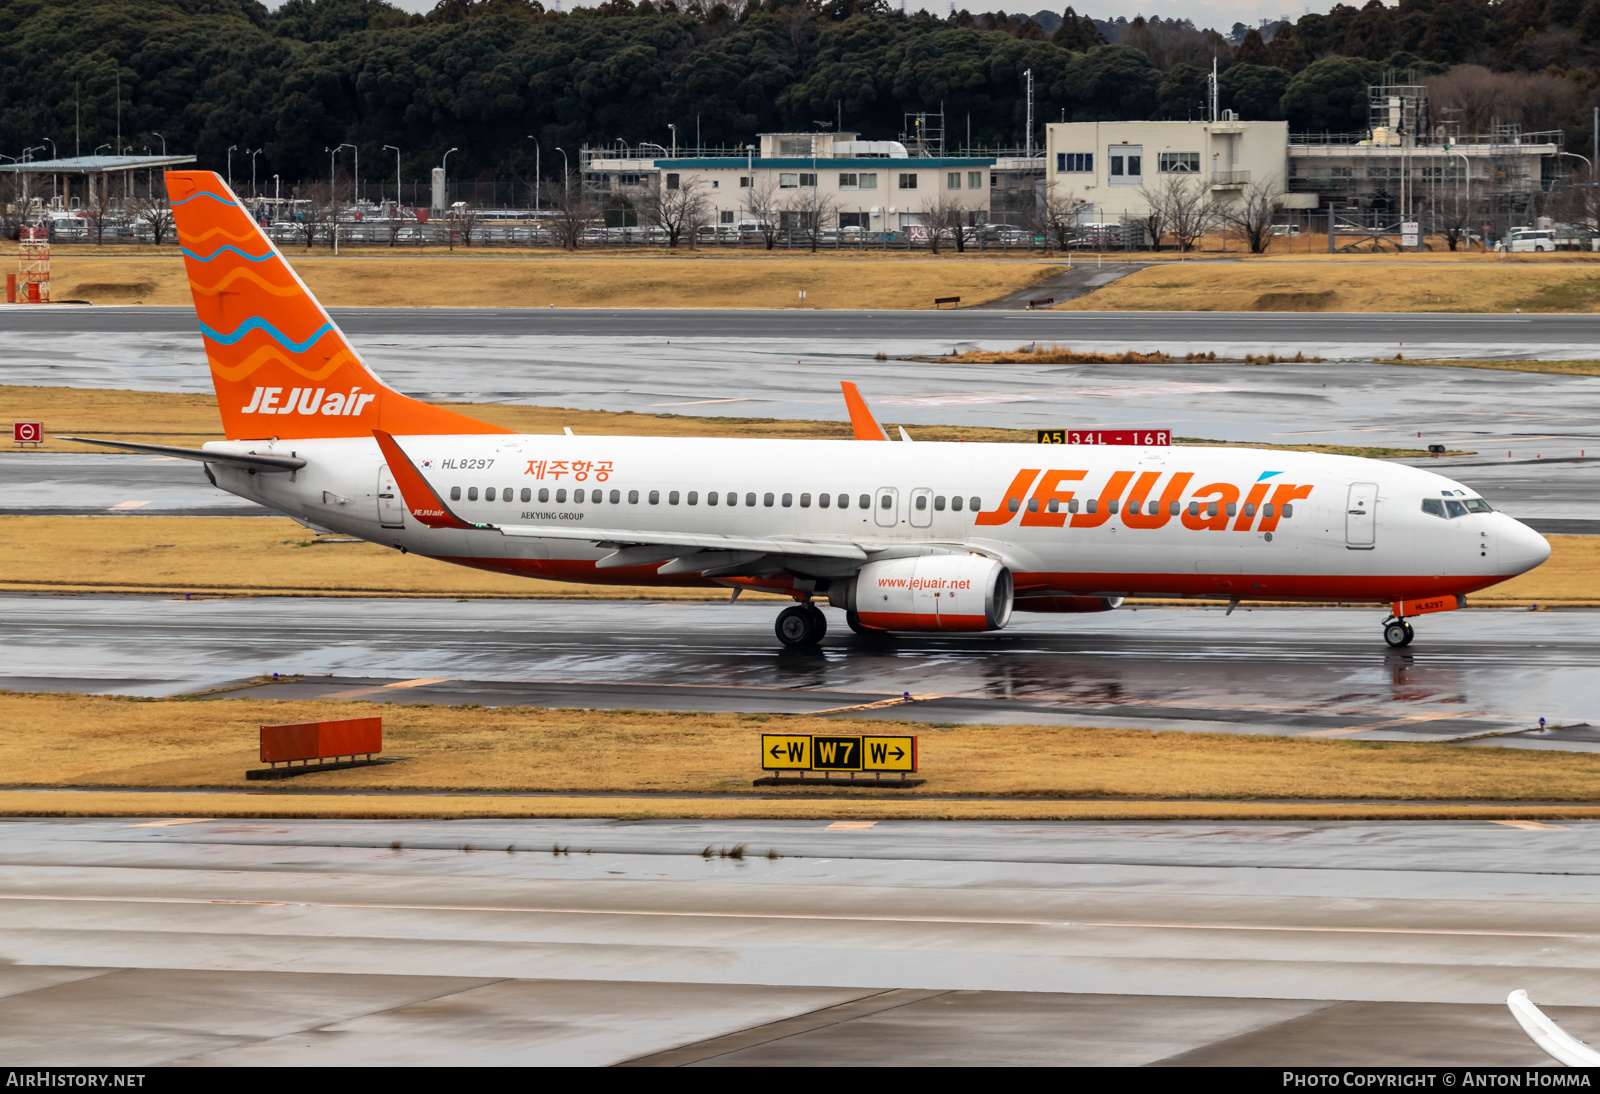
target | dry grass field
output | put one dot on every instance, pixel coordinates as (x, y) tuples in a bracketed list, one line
[(88, 741), (536, 280), (1347, 283)]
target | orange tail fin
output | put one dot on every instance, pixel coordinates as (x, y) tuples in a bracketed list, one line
[(281, 366)]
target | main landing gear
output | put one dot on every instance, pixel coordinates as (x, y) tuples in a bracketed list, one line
[(801, 625), (1397, 632)]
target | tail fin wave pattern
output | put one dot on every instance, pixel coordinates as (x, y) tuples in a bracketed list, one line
[(280, 365)]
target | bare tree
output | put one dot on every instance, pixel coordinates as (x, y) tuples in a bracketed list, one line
[(1057, 215), (805, 213), (315, 219), (97, 210), (676, 205), (395, 223), (1155, 218), (464, 220), (1253, 213), (152, 211), (766, 208), (13, 214), (945, 215), (573, 208), (1474, 98), (1181, 206)]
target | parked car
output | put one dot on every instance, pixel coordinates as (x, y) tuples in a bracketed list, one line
[(1529, 239)]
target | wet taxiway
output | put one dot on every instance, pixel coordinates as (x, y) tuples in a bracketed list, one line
[(792, 369), (146, 942), (1299, 672)]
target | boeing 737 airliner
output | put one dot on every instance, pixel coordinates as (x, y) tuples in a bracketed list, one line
[(902, 537)]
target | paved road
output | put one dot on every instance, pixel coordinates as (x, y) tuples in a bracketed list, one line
[(363, 943), (1176, 327), (1325, 673)]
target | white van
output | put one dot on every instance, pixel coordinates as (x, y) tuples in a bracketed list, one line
[(1529, 239)]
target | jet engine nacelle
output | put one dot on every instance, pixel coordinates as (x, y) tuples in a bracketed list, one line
[(929, 593)]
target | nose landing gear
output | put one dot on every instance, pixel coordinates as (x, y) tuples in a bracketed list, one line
[(801, 625), (1397, 632)]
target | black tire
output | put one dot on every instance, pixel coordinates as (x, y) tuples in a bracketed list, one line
[(1397, 633), (819, 620), (796, 627), (1410, 634)]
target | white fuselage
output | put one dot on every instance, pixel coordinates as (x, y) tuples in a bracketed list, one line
[(1227, 522)]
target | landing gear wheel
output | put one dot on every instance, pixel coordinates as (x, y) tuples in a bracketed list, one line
[(819, 621), (797, 627), (1398, 633)]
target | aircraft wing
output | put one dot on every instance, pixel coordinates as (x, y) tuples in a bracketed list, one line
[(633, 537)]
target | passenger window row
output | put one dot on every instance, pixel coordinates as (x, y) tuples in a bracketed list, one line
[(1151, 507), (598, 496)]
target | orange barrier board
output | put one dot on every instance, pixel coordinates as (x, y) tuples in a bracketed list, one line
[(321, 740)]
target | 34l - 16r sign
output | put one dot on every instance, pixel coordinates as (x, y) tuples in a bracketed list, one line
[(1146, 438)]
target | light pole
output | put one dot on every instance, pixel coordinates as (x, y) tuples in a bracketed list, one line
[(750, 179), (153, 133), (53, 177), (332, 184), (566, 172), (390, 147), (253, 156), (231, 147), (674, 129), (277, 199), (536, 177), (444, 165)]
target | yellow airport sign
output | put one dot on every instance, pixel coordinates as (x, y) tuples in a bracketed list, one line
[(889, 753), (782, 752)]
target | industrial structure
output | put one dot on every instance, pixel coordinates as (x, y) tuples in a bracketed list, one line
[(1404, 165)]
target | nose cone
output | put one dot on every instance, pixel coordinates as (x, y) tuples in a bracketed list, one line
[(1521, 548)]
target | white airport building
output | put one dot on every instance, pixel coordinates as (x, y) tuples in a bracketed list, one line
[(854, 184), (1402, 162)]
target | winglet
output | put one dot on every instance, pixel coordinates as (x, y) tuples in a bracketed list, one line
[(861, 420), (421, 500)]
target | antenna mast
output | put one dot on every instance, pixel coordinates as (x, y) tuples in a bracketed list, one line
[(1028, 142)]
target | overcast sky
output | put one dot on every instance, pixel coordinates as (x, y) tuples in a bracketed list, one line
[(1221, 14)]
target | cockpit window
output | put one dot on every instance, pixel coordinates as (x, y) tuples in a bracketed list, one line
[(1454, 508), (1433, 506), (1478, 505)]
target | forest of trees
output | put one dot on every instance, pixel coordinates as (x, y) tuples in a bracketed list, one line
[(490, 77)]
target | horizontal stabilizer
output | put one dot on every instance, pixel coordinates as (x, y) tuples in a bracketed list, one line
[(633, 537), (238, 459)]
